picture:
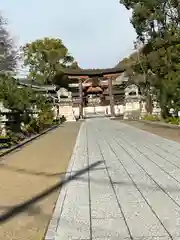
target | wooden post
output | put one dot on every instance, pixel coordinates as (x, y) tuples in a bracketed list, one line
[(81, 99), (111, 97)]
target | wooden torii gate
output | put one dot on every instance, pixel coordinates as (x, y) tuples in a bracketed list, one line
[(82, 74)]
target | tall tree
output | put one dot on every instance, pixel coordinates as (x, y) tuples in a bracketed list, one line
[(14, 98), (157, 26), (8, 54), (45, 58), (74, 65)]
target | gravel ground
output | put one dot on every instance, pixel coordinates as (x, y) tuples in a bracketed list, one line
[(169, 133), (30, 171)]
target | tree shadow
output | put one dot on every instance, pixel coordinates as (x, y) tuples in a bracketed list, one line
[(31, 210), (17, 209), (35, 173), (142, 186)]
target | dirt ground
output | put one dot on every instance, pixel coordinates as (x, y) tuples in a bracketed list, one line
[(166, 132), (30, 171)]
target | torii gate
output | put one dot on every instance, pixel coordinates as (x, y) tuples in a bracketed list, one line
[(82, 74)]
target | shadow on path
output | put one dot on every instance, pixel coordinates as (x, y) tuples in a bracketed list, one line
[(141, 185), (17, 209), (31, 172)]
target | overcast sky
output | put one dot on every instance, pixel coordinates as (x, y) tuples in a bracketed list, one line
[(97, 32)]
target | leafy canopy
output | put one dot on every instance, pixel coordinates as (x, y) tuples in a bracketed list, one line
[(45, 58), (157, 26)]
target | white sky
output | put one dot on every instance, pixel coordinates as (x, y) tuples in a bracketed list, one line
[(98, 33)]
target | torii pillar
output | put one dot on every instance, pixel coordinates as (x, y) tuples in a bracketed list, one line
[(81, 99), (111, 97)]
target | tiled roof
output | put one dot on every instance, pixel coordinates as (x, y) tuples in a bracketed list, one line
[(92, 72), (38, 87)]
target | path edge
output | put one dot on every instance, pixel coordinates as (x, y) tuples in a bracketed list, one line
[(51, 230), (160, 124), (19, 145)]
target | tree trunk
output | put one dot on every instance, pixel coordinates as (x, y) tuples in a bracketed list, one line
[(15, 122), (165, 112), (163, 104), (149, 104)]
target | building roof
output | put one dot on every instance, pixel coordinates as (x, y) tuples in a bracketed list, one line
[(92, 72), (94, 90), (37, 87)]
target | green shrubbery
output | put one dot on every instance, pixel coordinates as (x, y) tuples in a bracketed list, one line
[(5, 142), (173, 120), (22, 102), (34, 126), (151, 118), (11, 139), (23, 99)]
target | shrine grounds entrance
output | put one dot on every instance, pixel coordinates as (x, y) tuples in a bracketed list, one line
[(94, 106), (94, 111), (92, 95)]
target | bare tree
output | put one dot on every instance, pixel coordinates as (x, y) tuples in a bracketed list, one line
[(8, 55)]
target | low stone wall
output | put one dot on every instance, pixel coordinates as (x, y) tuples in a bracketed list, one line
[(119, 109)]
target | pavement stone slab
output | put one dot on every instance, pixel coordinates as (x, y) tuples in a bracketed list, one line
[(109, 228), (133, 194)]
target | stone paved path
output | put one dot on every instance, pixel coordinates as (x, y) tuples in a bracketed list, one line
[(133, 194)]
